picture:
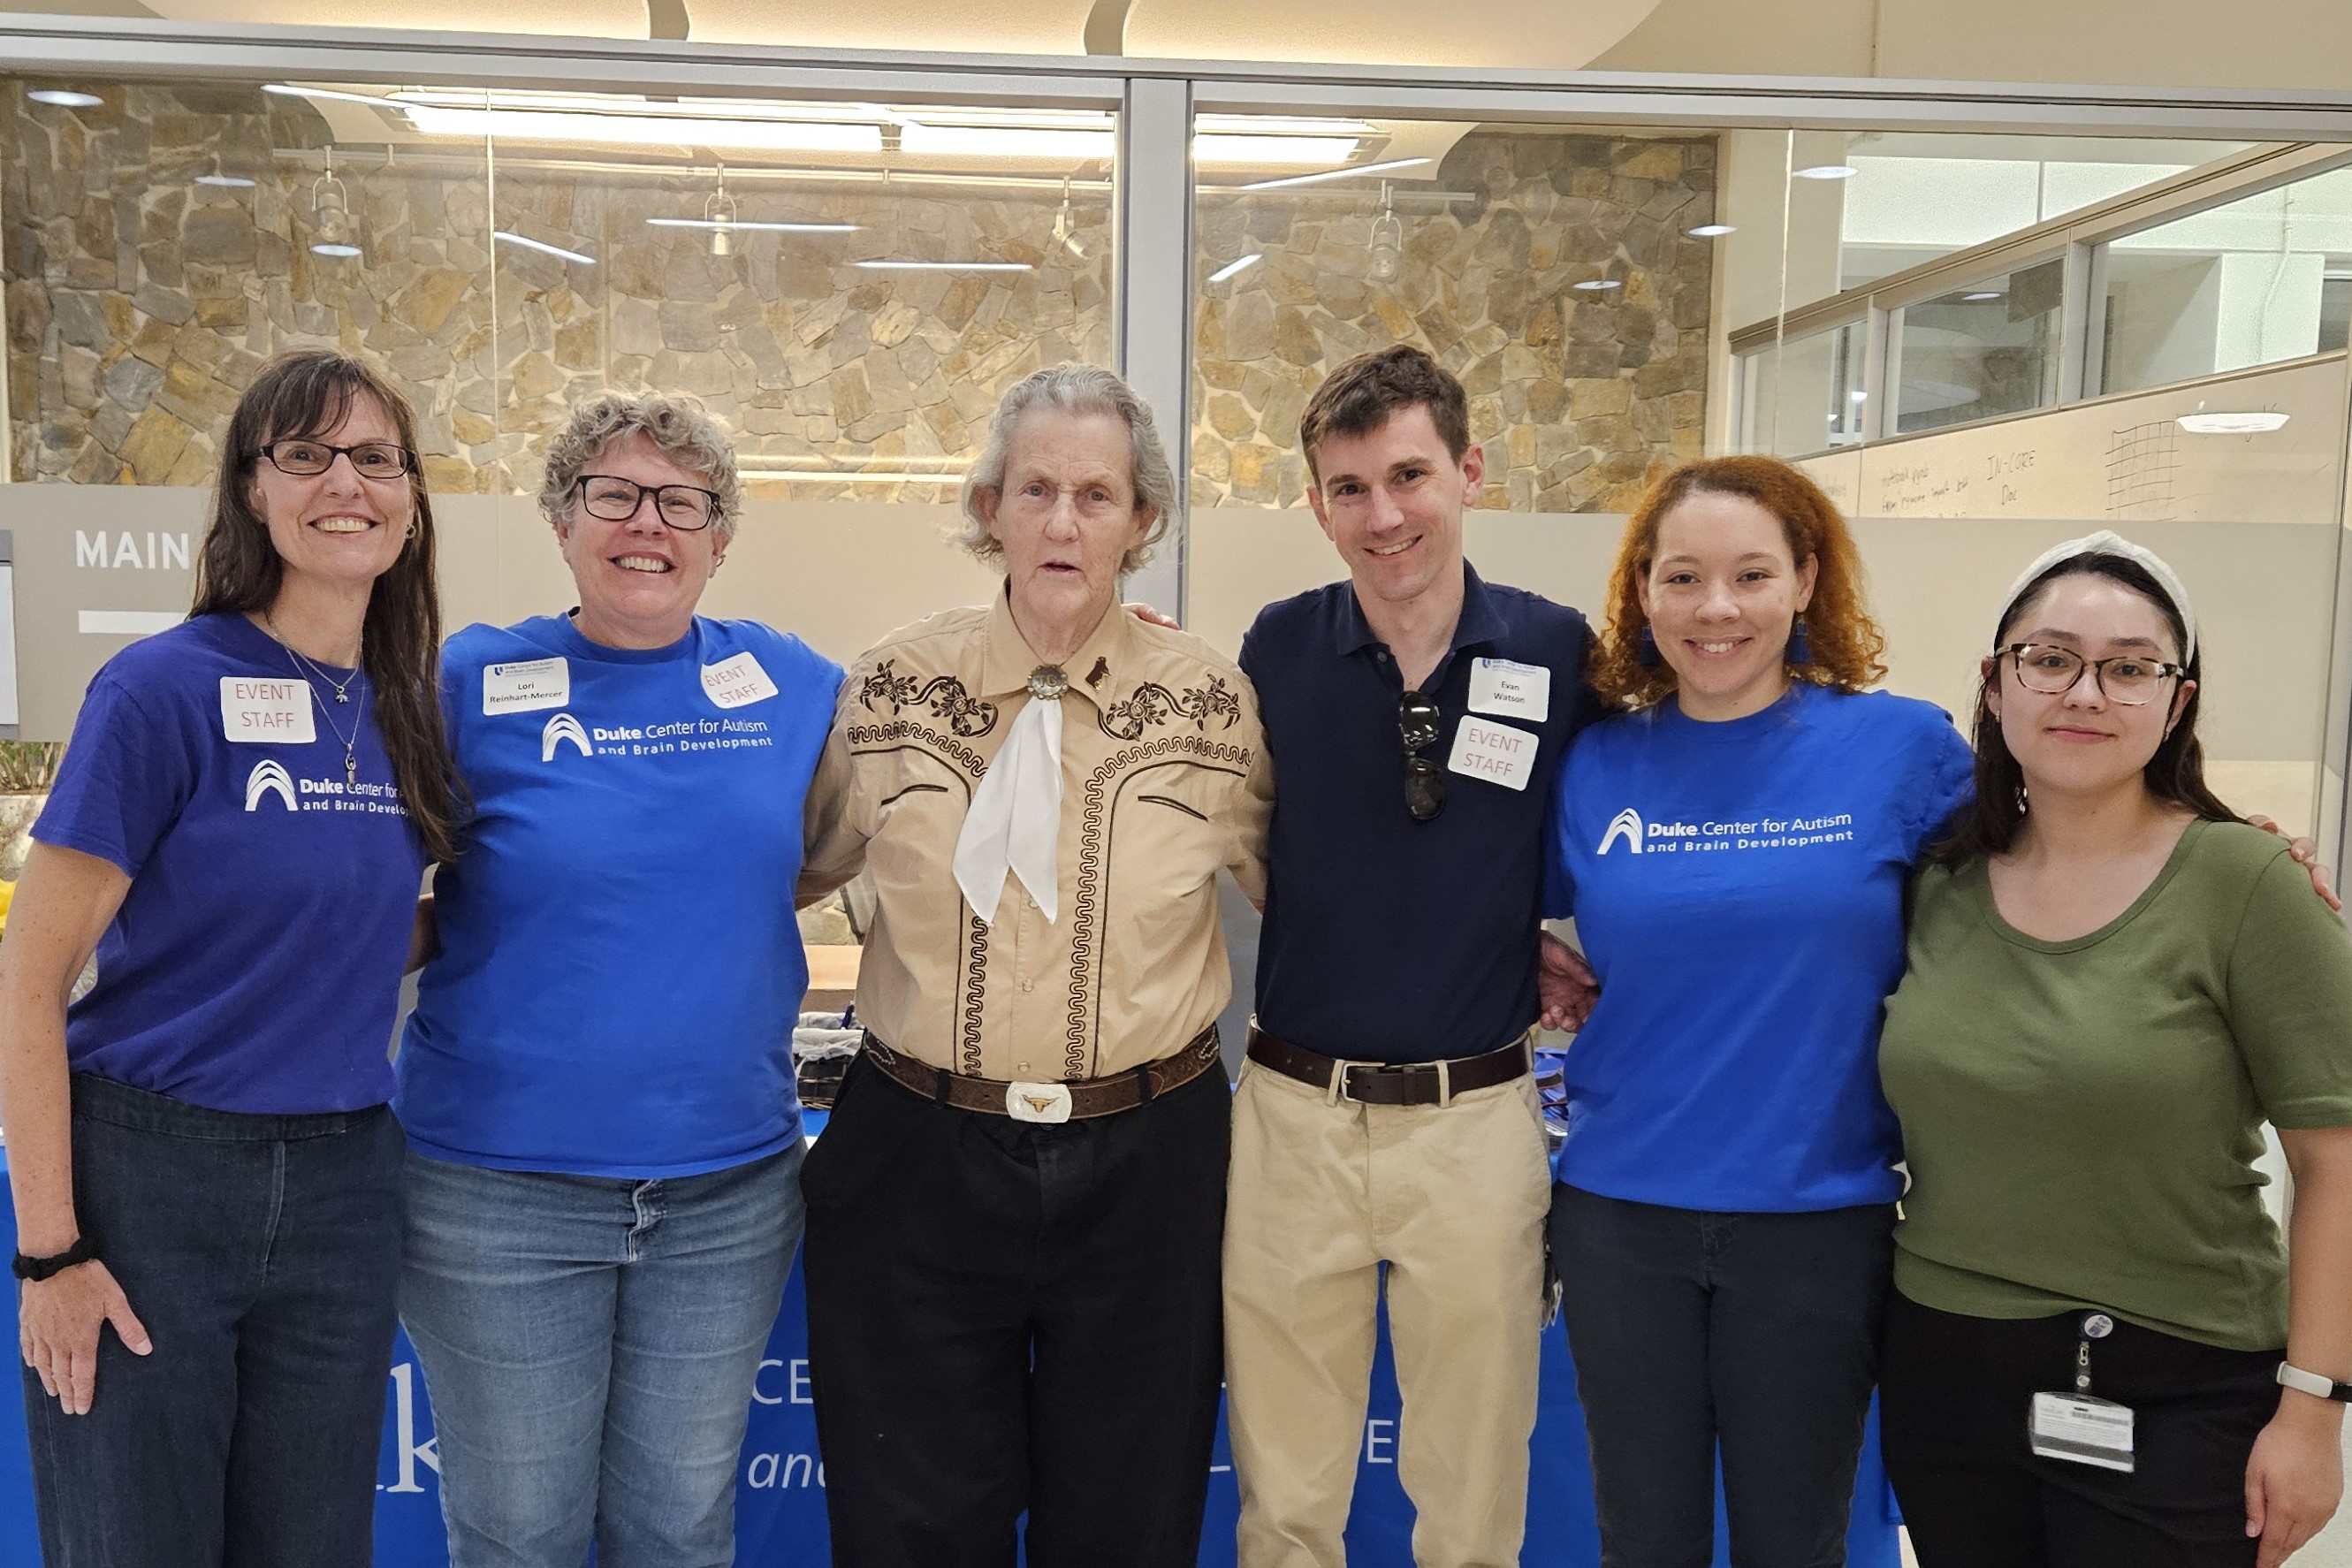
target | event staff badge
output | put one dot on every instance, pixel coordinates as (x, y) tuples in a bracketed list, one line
[(2078, 1427), (1048, 1102)]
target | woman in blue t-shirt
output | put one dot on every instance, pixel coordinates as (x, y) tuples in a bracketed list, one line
[(1734, 849), (207, 1177), (597, 1082)]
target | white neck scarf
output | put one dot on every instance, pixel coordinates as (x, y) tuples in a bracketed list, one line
[(1015, 821)]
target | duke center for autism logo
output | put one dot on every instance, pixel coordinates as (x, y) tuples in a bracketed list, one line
[(562, 728), (269, 777), (1626, 825)]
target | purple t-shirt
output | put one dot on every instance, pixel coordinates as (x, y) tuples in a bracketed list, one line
[(255, 963)]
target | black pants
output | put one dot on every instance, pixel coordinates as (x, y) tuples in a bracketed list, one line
[(1005, 1316), (263, 1255), (1753, 1332), (1953, 1409)]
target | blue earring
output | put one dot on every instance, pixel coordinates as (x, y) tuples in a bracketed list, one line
[(1801, 646), (1645, 647)]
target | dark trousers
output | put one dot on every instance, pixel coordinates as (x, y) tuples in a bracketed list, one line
[(1953, 1408), (263, 1255), (1005, 1316), (1756, 1333)]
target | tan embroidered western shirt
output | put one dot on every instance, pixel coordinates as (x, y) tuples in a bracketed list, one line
[(1165, 780)]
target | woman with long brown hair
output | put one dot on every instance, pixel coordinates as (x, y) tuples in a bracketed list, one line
[(208, 1175), (1735, 846)]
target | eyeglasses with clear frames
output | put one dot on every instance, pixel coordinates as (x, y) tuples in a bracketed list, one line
[(685, 508), (2130, 678)]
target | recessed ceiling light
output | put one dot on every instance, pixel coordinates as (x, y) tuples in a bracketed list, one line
[(65, 98), (227, 181), (1231, 268), (1828, 172), (1594, 285), (944, 266), (2252, 422), (1982, 294), (1709, 230), (542, 246), (1351, 170), (747, 223)]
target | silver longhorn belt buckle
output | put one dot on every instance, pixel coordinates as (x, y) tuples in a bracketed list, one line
[(1047, 1102)]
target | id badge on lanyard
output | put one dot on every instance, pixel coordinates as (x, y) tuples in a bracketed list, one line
[(2076, 1427)]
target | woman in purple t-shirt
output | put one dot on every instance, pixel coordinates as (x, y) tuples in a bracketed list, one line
[(206, 1173)]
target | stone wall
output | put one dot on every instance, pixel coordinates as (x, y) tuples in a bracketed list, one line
[(1581, 397), (140, 303)]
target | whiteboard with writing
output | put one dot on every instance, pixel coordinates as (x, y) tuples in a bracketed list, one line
[(2118, 461)]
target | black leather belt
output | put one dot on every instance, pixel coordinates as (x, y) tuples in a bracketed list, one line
[(1068, 1100), (1390, 1083)]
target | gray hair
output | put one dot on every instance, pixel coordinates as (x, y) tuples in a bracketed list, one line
[(678, 427), (1071, 389)]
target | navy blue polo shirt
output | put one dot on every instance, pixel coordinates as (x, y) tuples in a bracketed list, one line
[(1387, 939)]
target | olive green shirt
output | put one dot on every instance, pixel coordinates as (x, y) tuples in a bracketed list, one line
[(2082, 1118)]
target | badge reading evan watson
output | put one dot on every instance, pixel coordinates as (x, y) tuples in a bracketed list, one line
[(1510, 689), (254, 708), (523, 687), (737, 682)]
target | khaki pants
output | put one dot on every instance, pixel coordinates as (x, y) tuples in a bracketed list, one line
[(1453, 1198)]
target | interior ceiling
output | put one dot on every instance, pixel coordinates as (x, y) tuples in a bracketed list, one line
[(1563, 34)]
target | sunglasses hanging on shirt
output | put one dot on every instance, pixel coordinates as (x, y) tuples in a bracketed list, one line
[(1424, 780)]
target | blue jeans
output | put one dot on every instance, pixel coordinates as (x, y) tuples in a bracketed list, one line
[(589, 1343), (262, 1253)]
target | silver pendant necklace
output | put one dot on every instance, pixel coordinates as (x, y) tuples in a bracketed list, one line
[(305, 669), (342, 686)]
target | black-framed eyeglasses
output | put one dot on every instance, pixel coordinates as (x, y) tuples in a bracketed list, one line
[(615, 500), (370, 459), (2130, 678), (1424, 780)]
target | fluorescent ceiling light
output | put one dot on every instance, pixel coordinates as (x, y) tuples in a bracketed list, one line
[(1259, 151), (286, 90), (635, 129), (1828, 172), (918, 139), (540, 244), (798, 468), (2252, 422), (1594, 285), (229, 181), (747, 223), (944, 266), (1709, 230), (1348, 173), (65, 98), (1231, 268)]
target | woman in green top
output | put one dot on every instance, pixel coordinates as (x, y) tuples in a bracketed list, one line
[(2113, 982)]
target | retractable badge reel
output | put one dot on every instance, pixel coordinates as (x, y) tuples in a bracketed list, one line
[(2079, 1427)]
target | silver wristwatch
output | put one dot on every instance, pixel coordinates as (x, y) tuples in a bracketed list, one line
[(2312, 1383)]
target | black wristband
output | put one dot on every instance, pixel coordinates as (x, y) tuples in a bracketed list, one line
[(81, 1251)]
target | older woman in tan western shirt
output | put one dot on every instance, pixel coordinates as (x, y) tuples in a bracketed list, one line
[(1016, 1211)]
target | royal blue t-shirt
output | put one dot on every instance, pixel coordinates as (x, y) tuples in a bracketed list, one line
[(1739, 889), (620, 967), (255, 963)]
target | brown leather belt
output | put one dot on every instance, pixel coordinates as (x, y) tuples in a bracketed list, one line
[(1064, 1101), (1389, 1083)]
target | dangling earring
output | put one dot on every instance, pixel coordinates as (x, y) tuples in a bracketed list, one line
[(1645, 647), (1801, 646)]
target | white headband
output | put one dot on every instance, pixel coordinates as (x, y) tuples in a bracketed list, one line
[(2104, 543)]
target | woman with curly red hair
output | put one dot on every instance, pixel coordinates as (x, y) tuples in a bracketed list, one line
[(1735, 846)]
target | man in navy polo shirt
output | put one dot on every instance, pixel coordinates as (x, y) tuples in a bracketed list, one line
[(1416, 715)]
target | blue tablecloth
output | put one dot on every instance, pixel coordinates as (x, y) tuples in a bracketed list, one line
[(779, 1516)]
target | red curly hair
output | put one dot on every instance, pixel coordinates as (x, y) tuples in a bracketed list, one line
[(1846, 643)]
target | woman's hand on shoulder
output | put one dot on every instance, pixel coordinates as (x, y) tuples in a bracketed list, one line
[(2306, 854), (58, 1321)]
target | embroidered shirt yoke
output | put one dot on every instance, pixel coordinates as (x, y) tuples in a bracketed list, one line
[(1165, 780)]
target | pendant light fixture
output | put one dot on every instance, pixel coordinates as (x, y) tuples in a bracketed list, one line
[(333, 232), (1388, 240), (719, 212)]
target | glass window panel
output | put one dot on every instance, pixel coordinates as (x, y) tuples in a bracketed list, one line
[(2259, 281), (1989, 348), (1804, 396)]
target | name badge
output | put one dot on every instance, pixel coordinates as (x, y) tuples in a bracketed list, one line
[(522, 687), (733, 682), (1513, 691), (2082, 1430), (1496, 753), (254, 709)]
